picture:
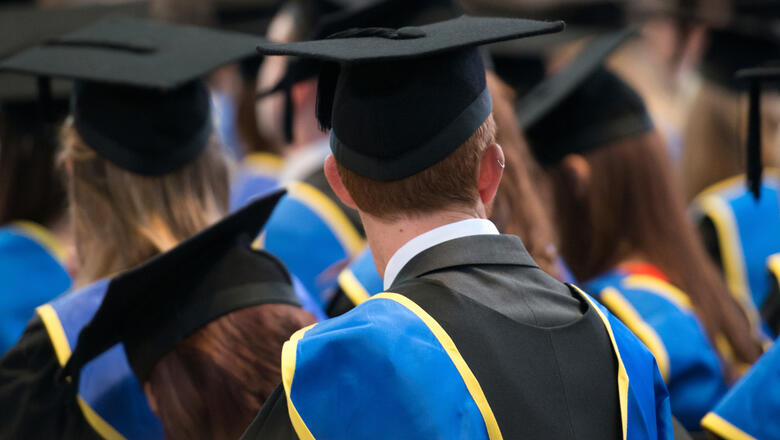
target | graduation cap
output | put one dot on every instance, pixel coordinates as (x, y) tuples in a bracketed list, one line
[(756, 78), (595, 106), (743, 34), (153, 307), (371, 13), (398, 101), (138, 98), (25, 26)]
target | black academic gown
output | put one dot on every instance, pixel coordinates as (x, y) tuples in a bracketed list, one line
[(34, 402), (499, 308)]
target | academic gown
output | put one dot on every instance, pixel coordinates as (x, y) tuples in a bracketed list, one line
[(740, 233), (257, 175), (472, 340), (35, 402), (663, 318), (751, 409), (31, 273)]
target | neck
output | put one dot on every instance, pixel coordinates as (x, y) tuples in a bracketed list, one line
[(386, 237)]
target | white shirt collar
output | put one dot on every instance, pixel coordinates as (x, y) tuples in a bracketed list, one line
[(427, 240)]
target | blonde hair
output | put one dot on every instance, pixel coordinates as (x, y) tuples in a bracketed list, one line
[(121, 219)]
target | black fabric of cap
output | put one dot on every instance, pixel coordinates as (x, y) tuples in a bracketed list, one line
[(24, 26), (593, 106), (401, 100), (139, 100), (153, 307), (371, 13), (743, 35)]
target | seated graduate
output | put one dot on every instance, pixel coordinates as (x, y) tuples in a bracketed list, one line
[(517, 209), (35, 244), (750, 408), (143, 174), (318, 238), (739, 232), (624, 233), (472, 339), (202, 326), (34, 236)]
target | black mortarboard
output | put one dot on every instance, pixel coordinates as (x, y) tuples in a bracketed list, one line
[(400, 100), (369, 13), (756, 79), (594, 105), (138, 100), (153, 307), (23, 26), (743, 34)]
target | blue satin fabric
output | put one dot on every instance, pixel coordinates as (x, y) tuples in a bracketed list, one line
[(752, 406), (29, 276), (695, 379)]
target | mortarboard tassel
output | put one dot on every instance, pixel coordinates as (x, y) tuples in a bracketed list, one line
[(326, 92), (288, 115), (754, 167)]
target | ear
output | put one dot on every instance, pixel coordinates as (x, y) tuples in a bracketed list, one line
[(334, 180), (491, 168), (150, 399), (303, 93), (576, 171)]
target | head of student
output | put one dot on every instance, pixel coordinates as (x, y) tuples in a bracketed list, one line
[(143, 169), (615, 193), (412, 132), (205, 344)]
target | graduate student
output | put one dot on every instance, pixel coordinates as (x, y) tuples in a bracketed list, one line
[(322, 235), (517, 209), (751, 407), (740, 233), (509, 352), (35, 242), (143, 173), (202, 327), (624, 233)]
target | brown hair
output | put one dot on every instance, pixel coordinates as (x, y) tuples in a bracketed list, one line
[(714, 140), (30, 186), (120, 219), (214, 382), (633, 209), (450, 183), (517, 208), (252, 140)]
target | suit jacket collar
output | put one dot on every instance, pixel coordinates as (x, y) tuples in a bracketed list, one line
[(475, 250)]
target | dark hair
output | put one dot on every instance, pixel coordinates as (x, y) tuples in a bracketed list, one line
[(517, 208), (633, 208), (31, 188), (214, 382)]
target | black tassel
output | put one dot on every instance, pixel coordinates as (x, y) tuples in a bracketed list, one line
[(326, 92), (754, 168), (288, 115)]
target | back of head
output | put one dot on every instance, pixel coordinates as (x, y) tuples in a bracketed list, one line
[(450, 184), (121, 218), (214, 382), (632, 209)]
